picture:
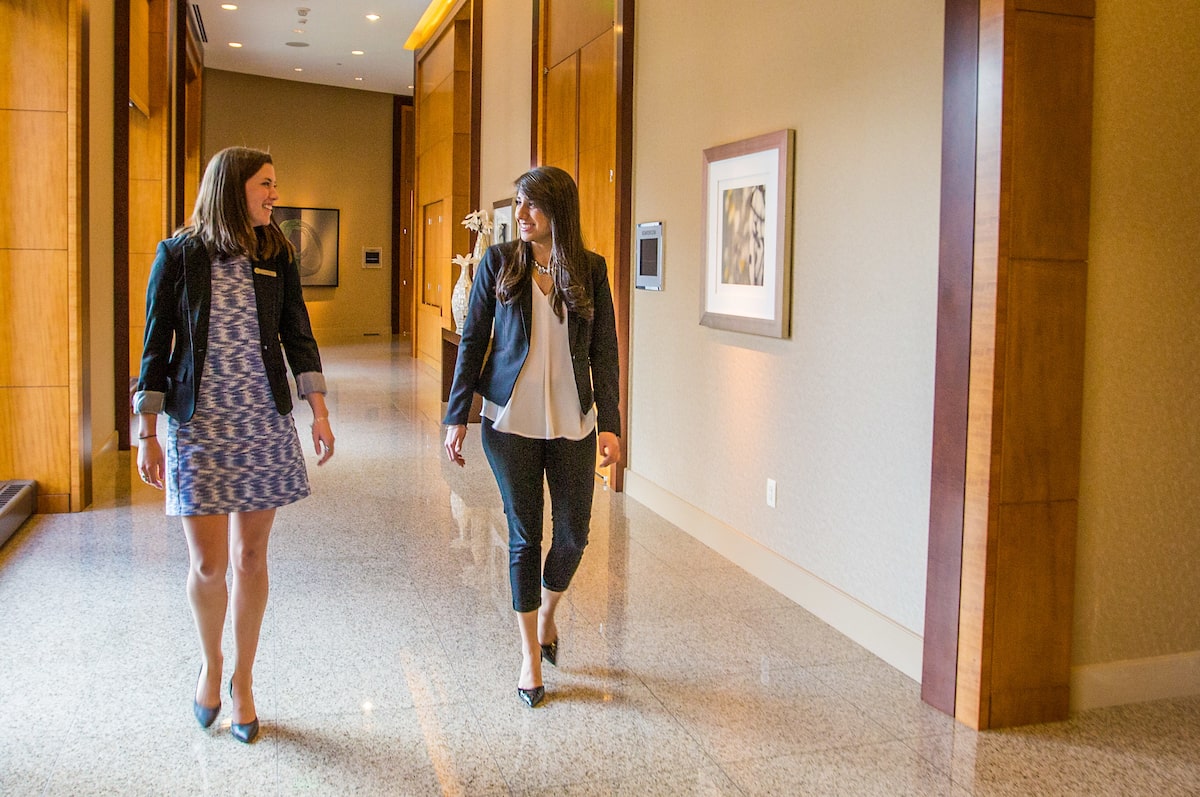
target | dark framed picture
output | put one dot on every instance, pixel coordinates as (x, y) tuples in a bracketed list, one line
[(314, 233), (748, 235)]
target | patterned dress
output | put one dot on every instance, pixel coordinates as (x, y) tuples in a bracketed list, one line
[(237, 453)]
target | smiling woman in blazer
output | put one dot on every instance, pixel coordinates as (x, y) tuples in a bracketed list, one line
[(550, 393), (223, 305)]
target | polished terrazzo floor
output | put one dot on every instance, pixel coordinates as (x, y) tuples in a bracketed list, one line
[(389, 655)]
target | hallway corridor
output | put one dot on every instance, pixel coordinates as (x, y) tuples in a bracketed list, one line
[(389, 654)]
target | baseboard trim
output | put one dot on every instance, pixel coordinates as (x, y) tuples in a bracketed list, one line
[(1134, 681), (898, 646)]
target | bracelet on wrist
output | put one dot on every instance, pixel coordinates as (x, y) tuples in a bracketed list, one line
[(146, 437)]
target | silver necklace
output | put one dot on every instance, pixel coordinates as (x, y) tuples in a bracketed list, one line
[(543, 270)]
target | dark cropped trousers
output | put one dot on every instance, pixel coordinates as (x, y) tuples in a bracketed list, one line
[(520, 464)]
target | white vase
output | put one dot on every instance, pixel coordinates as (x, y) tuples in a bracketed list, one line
[(460, 297), (482, 241)]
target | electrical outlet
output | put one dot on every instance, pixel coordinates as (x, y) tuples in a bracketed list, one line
[(771, 493)]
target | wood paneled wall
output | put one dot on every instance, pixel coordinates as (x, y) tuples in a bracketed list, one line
[(1032, 183), (447, 170), (150, 168), (42, 262), (45, 383), (580, 125)]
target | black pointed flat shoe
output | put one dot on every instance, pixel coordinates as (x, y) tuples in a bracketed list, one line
[(204, 715), (550, 653), (532, 697)]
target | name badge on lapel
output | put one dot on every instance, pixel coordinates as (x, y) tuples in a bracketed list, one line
[(265, 272)]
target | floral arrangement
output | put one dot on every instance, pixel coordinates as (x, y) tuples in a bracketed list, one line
[(479, 223)]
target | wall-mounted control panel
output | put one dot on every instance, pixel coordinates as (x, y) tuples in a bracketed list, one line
[(650, 256)]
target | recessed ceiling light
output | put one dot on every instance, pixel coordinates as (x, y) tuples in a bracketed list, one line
[(229, 6), (296, 44), (235, 45), (298, 69), (373, 17), (297, 30), (358, 78), (356, 52)]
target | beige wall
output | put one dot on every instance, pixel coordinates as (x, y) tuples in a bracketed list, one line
[(840, 413), (1139, 517), (332, 148), (507, 95)]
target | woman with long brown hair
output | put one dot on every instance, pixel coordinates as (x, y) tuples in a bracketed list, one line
[(223, 305), (550, 393)]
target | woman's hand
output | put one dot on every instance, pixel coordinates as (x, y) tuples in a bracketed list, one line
[(454, 442), (150, 461), (610, 448), (322, 435)]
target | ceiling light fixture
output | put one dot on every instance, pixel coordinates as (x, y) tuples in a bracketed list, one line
[(357, 52), (298, 69), (373, 17), (229, 6), (235, 45)]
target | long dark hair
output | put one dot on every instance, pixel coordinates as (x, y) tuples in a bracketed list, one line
[(552, 191), (221, 218)]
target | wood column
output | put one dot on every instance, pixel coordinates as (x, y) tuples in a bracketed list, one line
[(1032, 175), (44, 407)]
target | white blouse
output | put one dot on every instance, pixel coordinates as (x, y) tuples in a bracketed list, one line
[(545, 400)]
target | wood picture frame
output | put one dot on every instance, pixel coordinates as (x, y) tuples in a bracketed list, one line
[(748, 199)]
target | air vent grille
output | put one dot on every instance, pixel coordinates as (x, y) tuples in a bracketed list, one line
[(17, 499), (199, 23)]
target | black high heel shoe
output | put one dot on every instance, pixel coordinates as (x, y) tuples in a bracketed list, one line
[(246, 731), (550, 653), (204, 715), (532, 697)]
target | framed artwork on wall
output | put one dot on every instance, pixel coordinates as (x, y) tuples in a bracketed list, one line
[(314, 234), (747, 227), (502, 220)]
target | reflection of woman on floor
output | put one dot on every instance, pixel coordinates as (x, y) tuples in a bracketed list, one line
[(550, 391), (224, 294)]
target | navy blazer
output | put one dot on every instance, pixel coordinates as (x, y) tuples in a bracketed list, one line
[(178, 304), (506, 327)]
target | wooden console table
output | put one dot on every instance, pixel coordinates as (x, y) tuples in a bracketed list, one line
[(450, 341)]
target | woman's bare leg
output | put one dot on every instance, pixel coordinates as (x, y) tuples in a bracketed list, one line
[(531, 652), (248, 552), (208, 554), (547, 630)]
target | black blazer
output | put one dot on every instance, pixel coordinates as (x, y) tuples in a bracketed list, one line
[(506, 327), (178, 302)]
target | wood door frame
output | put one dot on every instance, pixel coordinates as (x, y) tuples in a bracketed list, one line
[(403, 300)]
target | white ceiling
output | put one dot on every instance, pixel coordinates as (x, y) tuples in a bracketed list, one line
[(334, 28)]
